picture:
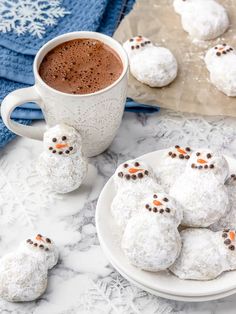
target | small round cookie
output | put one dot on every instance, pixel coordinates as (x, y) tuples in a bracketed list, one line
[(200, 189), (202, 19), (151, 240), (24, 273), (205, 254), (150, 64), (172, 165), (221, 63), (133, 179), (62, 165)]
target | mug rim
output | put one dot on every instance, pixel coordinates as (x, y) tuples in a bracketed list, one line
[(81, 34)]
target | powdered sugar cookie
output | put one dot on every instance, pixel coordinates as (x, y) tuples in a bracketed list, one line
[(202, 19), (221, 63), (150, 64), (62, 165), (23, 273), (205, 254), (151, 240), (133, 180), (200, 189), (172, 165)]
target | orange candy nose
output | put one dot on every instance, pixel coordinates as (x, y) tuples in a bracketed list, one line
[(157, 203), (60, 145), (39, 237), (232, 235), (139, 39), (181, 151), (134, 170), (201, 161)]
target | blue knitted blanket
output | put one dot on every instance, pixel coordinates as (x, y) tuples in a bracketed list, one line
[(25, 25)]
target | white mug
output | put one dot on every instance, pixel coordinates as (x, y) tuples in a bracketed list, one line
[(97, 116)]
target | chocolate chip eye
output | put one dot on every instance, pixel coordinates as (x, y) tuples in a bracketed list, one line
[(165, 199), (209, 156), (177, 146), (54, 139), (126, 165), (187, 149), (137, 164), (63, 138), (154, 196), (198, 154)]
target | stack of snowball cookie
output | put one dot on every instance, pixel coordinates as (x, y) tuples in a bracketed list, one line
[(179, 216), (203, 20)]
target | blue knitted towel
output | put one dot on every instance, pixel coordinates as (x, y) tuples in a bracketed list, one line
[(25, 25)]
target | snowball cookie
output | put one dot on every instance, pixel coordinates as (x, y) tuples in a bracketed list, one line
[(205, 254), (133, 179), (228, 220), (62, 165), (172, 165), (202, 19), (200, 189), (221, 63), (150, 64), (151, 240), (24, 272)]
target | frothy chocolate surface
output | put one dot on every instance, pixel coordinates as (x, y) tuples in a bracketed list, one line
[(81, 66)]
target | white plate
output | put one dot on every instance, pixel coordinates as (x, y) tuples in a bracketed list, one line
[(161, 282)]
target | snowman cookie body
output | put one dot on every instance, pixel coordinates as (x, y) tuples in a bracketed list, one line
[(172, 165), (133, 180), (151, 240), (62, 165), (150, 64), (221, 63), (200, 189), (202, 19), (205, 254), (24, 273)]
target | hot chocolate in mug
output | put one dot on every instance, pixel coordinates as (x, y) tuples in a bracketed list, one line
[(97, 116)]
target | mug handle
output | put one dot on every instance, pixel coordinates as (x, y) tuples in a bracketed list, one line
[(15, 99)]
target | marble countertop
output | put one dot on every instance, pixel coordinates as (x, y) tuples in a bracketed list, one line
[(84, 281)]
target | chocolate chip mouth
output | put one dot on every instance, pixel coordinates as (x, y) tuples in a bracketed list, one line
[(194, 166), (41, 246)]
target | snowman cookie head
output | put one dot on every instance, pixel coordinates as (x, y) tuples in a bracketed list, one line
[(133, 172), (62, 140), (217, 55), (136, 44), (179, 153), (163, 206), (205, 160), (42, 247)]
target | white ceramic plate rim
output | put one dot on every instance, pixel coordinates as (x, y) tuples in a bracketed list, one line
[(163, 282)]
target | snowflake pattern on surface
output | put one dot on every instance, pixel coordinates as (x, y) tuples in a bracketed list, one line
[(29, 16)]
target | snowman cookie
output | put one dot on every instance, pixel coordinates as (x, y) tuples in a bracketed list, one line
[(150, 64), (202, 19), (205, 254), (24, 272), (172, 165), (200, 189), (221, 63), (62, 165), (133, 180), (151, 240)]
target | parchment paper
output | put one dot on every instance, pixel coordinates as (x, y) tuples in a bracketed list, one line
[(192, 90)]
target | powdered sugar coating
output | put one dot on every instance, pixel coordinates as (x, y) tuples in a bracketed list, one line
[(205, 254), (133, 179), (23, 273), (149, 64), (221, 63), (172, 165), (200, 189), (151, 240), (62, 165), (202, 19)]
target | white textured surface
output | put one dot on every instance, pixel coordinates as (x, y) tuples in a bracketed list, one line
[(151, 240), (202, 19), (151, 65), (222, 68), (83, 281), (204, 255)]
